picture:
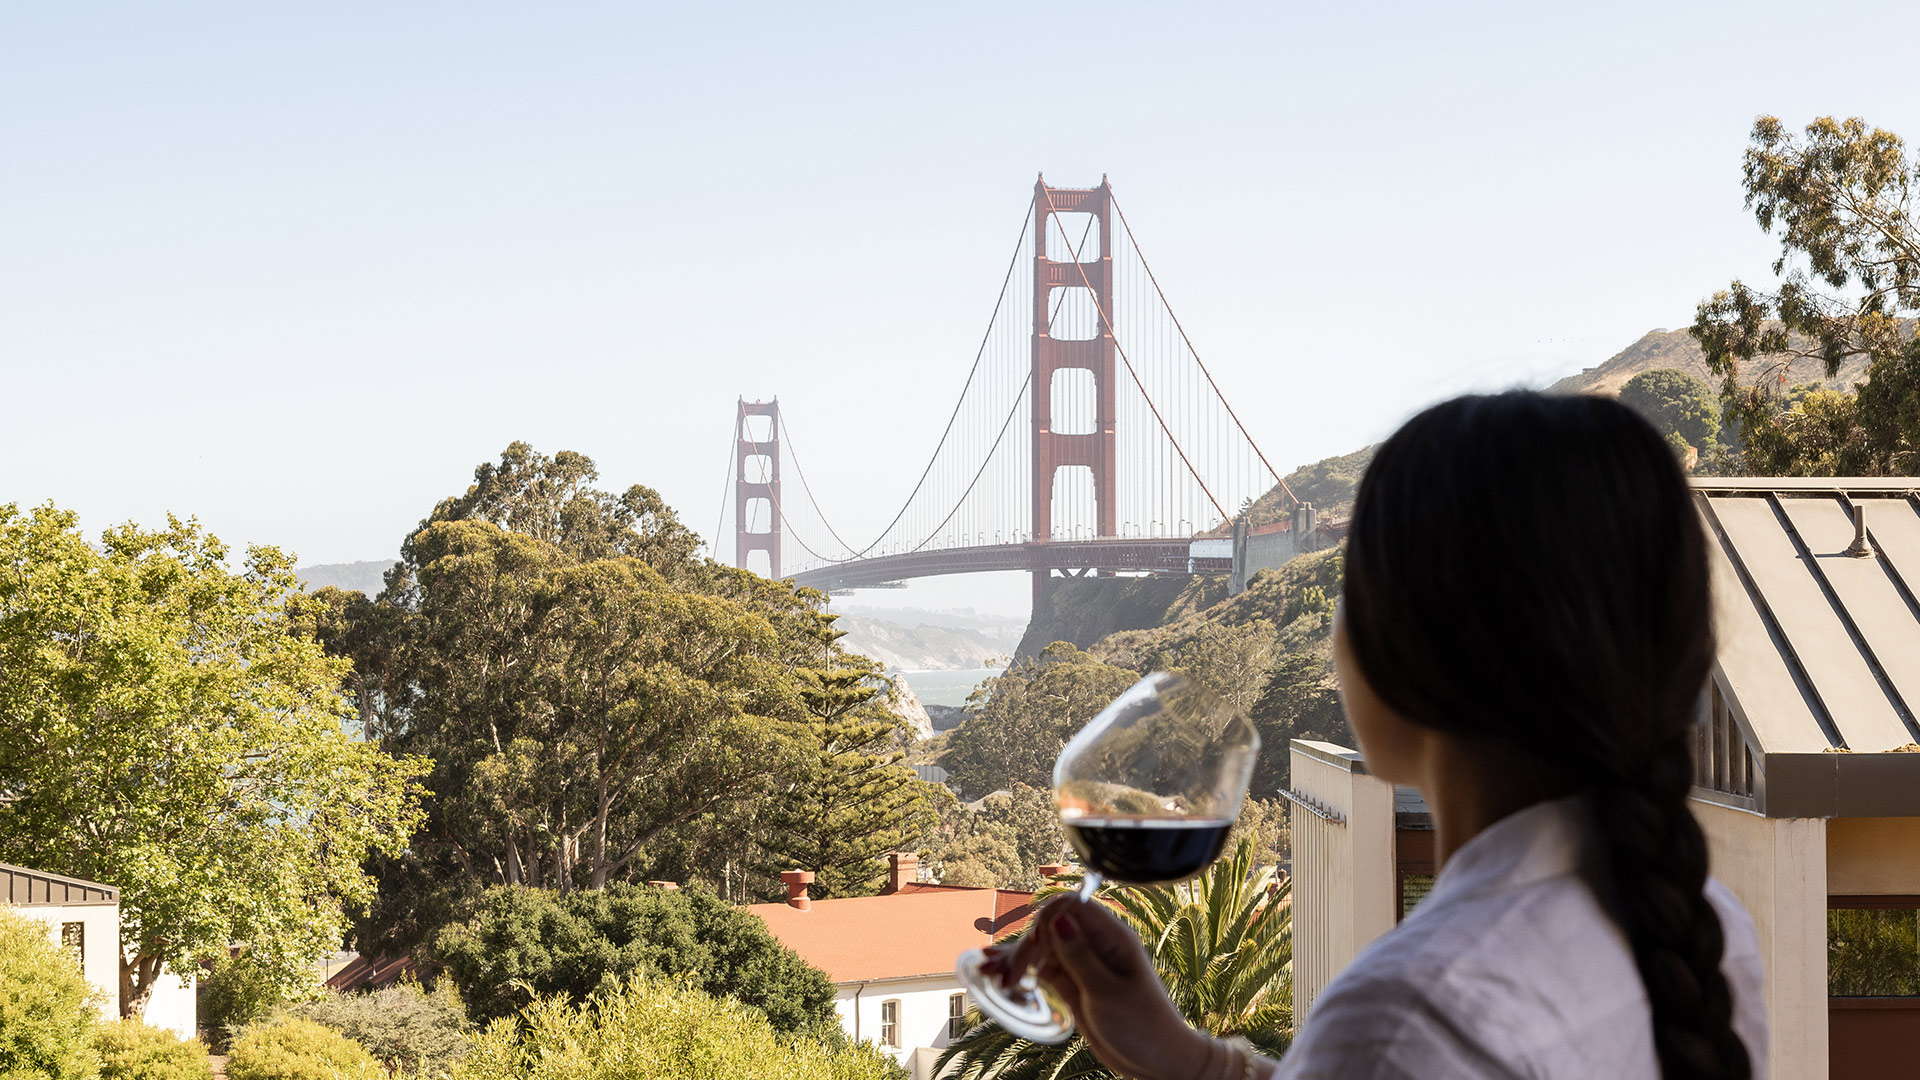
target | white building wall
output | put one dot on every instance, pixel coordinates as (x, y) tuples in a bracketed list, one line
[(173, 1004), (1343, 864), (1778, 869), (101, 962), (924, 1002)]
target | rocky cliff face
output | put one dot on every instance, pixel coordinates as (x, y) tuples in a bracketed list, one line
[(906, 706), (1084, 610)]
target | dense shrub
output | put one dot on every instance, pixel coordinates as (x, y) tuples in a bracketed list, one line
[(641, 1030), (48, 1011), (131, 1050), (407, 1029), (289, 1048), (237, 992), (525, 942)]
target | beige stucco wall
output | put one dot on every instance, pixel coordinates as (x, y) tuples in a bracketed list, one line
[(1873, 856), (102, 959), (1778, 869), (1343, 872)]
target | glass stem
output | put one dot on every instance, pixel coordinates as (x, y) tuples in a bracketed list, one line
[(1089, 884)]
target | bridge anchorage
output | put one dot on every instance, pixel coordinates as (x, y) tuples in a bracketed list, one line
[(1088, 439)]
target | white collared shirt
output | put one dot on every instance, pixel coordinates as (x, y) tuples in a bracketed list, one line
[(1511, 968)]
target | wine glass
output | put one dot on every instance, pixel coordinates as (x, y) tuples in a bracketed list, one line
[(1147, 793)]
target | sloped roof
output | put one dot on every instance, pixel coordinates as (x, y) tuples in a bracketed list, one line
[(25, 887), (919, 930), (1819, 649)]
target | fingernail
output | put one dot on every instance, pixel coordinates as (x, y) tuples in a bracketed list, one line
[(1067, 928)]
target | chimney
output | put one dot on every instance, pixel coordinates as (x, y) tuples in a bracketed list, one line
[(797, 882), (1054, 869), (903, 869)]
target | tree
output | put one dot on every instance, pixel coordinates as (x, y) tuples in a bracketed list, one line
[(1848, 287), (1675, 403), (524, 943), (1230, 660), (166, 727), (1299, 701), (639, 1029), (1222, 944), (850, 801), (592, 696), (1019, 722)]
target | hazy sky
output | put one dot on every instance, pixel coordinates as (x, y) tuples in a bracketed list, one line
[(297, 269)]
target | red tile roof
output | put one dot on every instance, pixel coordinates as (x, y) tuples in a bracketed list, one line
[(919, 930)]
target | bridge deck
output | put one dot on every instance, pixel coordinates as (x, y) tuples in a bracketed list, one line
[(1110, 554)]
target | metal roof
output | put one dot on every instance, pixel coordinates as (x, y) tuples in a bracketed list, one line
[(23, 887), (1819, 638)]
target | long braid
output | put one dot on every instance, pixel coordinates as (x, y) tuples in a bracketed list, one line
[(1656, 859)]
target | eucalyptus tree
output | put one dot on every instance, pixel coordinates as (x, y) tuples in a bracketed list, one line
[(1840, 198)]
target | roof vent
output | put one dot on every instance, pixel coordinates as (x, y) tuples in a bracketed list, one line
[(797, 882), (1859, 549)]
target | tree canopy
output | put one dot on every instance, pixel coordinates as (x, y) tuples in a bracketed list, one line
[(1675, 403), (1839, 197), (526, 943), (1018, 722), (168, 727)]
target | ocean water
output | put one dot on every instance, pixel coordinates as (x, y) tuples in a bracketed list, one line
[(947, 687)]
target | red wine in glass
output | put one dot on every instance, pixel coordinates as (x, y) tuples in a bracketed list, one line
[(1147, 851)]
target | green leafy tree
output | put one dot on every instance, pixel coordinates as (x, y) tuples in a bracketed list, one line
[(1018, 722), (1230, 659), (639, 1029), (1299, 701), (1222, 944), (850, 800), (166, 727), (526, 943), (966, 847), (1675, 403), (1848, 286), (48, 1014), (591, 695)]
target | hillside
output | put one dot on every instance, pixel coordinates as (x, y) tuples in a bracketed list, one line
[(366, 577), (1676, 349), (1085, 610), (922, 647)]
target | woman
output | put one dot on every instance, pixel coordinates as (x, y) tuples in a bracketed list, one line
[(1524, 636)]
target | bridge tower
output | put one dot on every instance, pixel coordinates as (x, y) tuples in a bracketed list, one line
[(1054, 450), (757, 458)]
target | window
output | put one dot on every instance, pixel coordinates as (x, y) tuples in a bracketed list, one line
[(1873, 946), (890, 1023), (956, 1016), (73, 938)]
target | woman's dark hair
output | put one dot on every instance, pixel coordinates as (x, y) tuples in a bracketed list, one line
[(1530, 570)]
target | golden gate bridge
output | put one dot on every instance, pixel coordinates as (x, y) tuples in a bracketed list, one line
[(1088, 438)]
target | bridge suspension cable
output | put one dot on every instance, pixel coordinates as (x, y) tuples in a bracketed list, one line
[(1186, 461)]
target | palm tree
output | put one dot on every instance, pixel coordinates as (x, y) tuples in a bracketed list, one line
[(1222, 943)]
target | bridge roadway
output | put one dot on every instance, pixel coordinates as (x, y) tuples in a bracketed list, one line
[(1165, 555)]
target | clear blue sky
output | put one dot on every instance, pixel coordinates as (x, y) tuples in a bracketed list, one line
[(297, 269)]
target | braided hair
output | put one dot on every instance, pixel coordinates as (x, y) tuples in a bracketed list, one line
[(1530, 570)]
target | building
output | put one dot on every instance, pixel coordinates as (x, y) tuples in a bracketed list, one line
[(891, 956), (84, 917), (1807, 776)]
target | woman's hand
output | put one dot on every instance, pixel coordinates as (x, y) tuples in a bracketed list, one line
[(1097, 965)]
